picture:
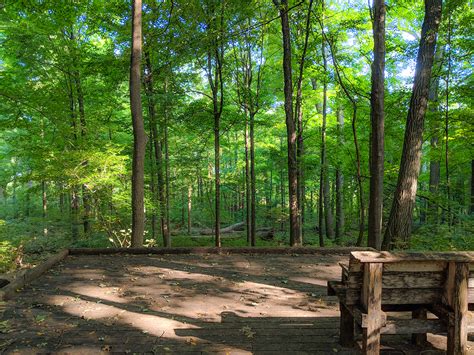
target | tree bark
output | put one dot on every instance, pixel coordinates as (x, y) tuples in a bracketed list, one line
[(167, 168), (157, 145), (398, 229), (139, 137), (247, 180), (295, 235), (435, 161), (340, 180), (299, 121), (329, 221), (377, 132), (190, 201), (253, 182)]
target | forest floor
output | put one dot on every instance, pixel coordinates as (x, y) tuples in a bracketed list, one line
[(230, 304)]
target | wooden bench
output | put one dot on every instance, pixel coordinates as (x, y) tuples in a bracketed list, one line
[(378, 282)]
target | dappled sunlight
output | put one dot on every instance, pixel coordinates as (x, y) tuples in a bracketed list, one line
[(181, 303)]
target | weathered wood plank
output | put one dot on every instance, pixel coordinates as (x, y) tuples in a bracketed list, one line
[(414, 326), (213, 250), (387, 257), (457, 296), (346, 326), (402, 280), (371, 297), (9, 291), (418, 337), (399, 296)]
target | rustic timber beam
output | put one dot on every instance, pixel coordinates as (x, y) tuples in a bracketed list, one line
[(9, 291)]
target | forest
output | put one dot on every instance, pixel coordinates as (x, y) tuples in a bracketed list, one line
[(235, 123)]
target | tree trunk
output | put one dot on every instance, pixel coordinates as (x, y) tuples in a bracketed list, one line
[(435, 161), (253, 182), (139, 137), (377, 132), (399, 224), (299, 121), (167, 169), (190, 201), (340, 179), (446, 124), (247, 181), (324, 165), (152, 186), (155, 138), (295, 235)]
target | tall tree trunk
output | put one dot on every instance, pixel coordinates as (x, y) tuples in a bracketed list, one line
[(377, 132), (44, 199), (324, 165), (152, 181), (446, 124), (282, 190), (157, 145), (190, 201), (139, 137), (82, 119), (399, 224), (321, 211), (295, 235), (247, 181), (253, 183), (435, 164), (299, 121), (340, 179), (167, 169), (359, 177)]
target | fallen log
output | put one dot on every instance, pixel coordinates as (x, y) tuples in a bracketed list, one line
[(30, 275), (232, 228)]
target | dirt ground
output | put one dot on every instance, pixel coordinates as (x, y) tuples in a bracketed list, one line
[(173, 304)]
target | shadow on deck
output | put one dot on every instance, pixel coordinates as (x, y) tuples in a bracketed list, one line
[(229, 304)]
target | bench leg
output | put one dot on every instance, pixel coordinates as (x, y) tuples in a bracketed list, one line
[(371, 297), (346, 326), (419, 338), (457, 332)]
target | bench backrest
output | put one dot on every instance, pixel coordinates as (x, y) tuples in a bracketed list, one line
[(410, 278)]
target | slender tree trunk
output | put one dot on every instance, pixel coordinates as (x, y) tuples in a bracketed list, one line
[(295, 235), (340, 179), (157, 145), (299, 121), (398, 229), (282, 190), (167, 169), (82, 119), (377, 132), (359, 179), (44, 199), (139, 137), (152, 183), (75, 214), (446, 125), (321, 211), (324, 165), (253, 183), (190, 201), (435, 164), (247, 181)]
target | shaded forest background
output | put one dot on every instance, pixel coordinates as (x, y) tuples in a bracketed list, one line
[(66, 136)]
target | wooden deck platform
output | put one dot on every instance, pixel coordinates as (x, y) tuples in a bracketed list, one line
[(180, 304)]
